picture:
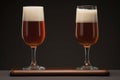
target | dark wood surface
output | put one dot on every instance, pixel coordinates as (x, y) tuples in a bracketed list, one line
[(114, 75), (59, 72)]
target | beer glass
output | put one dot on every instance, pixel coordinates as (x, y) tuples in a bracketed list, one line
[(86, 31), (33, 32)]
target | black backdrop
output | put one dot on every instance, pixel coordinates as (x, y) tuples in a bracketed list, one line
[(60, 48)]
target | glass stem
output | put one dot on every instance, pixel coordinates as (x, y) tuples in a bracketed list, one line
[(87, 60), (33, 57)]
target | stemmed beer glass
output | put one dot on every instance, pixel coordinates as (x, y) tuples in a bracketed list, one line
[(87, 31), (33, 31)]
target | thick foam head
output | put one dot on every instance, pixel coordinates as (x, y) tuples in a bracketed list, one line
[(86, 15), (33, 13)]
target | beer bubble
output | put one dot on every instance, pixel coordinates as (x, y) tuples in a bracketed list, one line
[(86, 15), (33, 13)]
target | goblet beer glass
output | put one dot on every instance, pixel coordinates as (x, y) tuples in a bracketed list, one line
[(86, 31), (33, 31)]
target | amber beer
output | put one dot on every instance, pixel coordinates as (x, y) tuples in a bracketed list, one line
[(86, 27), (87, 33), (33, 26), (33, 32)]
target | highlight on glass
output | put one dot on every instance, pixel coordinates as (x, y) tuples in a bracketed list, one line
[(86, 31), (33, 32)]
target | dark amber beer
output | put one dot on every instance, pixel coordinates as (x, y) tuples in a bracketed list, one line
[(33, 32), (33, 26), (86, 27), (87, 33)]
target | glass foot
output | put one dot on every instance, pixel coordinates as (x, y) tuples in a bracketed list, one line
[(34, 68), (87, 68)]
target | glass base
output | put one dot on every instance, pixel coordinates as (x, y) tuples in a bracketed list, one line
[(87, 68), (34, 68)]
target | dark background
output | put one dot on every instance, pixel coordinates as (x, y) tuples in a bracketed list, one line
[(60, 48)]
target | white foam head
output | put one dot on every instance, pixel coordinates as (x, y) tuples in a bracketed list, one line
[(33, 13), (86, 15)]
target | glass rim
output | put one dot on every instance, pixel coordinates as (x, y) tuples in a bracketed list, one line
[(87, 6), (33, 6)]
